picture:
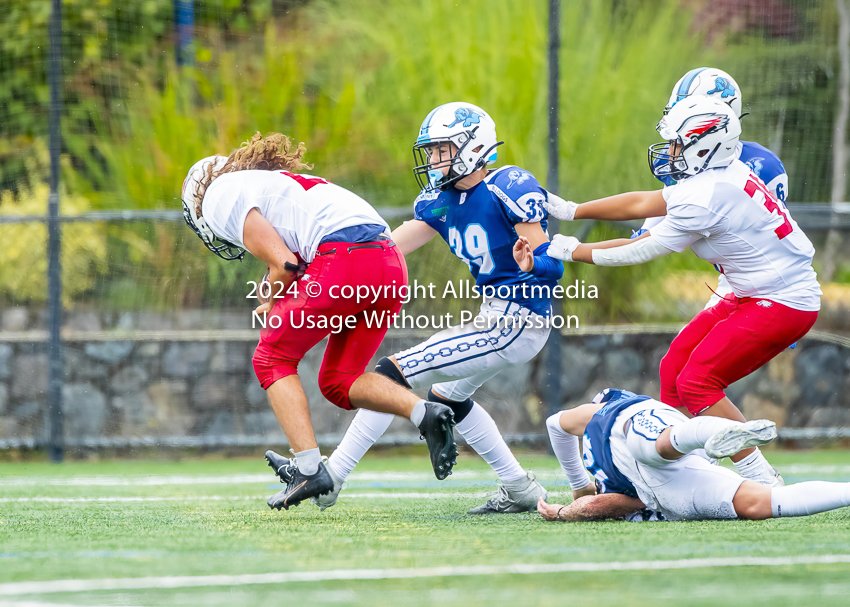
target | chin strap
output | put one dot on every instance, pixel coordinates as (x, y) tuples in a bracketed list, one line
[(483, 161), (708, 159)]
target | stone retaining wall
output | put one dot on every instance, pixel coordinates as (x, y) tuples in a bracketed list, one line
[(174, 388)]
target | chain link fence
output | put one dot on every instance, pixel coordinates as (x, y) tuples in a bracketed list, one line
[(156, 333)]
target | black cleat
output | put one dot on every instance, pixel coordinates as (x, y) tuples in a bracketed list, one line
[(282, 466), (436, 429), (301, 487)]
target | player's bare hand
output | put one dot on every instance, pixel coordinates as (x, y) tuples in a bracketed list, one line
[(589, 489), (524, 254), (264, 308), (264, 289), (565, 210), (549, 511)]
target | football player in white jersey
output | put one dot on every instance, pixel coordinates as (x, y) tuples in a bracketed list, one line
[(717, 84), (300, 224), (728, 217), (641, 454)]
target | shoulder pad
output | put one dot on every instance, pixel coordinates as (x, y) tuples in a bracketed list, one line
[(764, 163), (520, 192)]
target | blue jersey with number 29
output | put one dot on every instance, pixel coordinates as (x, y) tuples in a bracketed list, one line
[(479, 226)]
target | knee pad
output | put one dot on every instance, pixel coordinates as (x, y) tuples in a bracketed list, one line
[(461, 409), (388, 368), (646, 427)]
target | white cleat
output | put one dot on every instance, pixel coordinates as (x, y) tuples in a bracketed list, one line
[(329, 499), (777, 480), (523, 498), (739, 437)]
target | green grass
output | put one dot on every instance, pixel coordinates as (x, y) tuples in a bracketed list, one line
[(238, 534)]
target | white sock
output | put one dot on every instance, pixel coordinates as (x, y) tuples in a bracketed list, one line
[(802, 499), (566, 448), (308, 461), (755, 468), (694, 433), (366, 428), (418, 413), (480, 432)]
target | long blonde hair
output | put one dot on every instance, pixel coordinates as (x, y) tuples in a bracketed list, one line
[(274, 152)]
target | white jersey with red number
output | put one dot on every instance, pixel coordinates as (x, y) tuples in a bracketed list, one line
[(302, 209), (729, 218)]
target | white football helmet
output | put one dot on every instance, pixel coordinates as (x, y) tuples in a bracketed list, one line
[(221, 247), (710, 82), (706, 131), (469, 128)]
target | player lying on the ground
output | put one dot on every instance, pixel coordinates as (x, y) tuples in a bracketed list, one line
[(717, 84), (495, 223), (640, 452), (728, 217), (251, 201)]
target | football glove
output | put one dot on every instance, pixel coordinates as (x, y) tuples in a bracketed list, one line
[(557, 207), (562, 247)]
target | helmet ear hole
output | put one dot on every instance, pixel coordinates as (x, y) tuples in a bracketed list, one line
[(702, 153)]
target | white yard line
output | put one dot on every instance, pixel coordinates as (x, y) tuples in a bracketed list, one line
[(222, 498), (268, 477), (40, 604), (229, 479), (26, 588), (815, 469)]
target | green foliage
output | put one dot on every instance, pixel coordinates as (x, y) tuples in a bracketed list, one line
[(104, 43), (406, 57), (23, 273), (411, 56), (790, 91), (353, 80)]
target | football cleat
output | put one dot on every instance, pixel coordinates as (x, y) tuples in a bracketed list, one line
[(282, 466), (301, 487), (739, 437), (436, 428), (506, 501), (326, 501), (645, 516), (778, 481)]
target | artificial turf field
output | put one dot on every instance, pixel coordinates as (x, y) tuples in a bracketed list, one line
[(169, 522)]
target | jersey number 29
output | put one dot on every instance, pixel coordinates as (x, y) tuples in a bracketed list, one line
[(476, 246)]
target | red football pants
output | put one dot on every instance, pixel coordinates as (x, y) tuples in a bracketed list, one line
[(724, 343), (323, 303)]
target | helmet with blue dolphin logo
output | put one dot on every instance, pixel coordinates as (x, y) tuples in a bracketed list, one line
[(710, 82), (466, 127)]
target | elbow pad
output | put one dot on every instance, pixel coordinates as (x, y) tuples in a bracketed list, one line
[(640, 251), (545, 267)]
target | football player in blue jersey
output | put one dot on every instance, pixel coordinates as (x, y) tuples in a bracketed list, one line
[(643, 456), (717, 84), (494, 221)]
